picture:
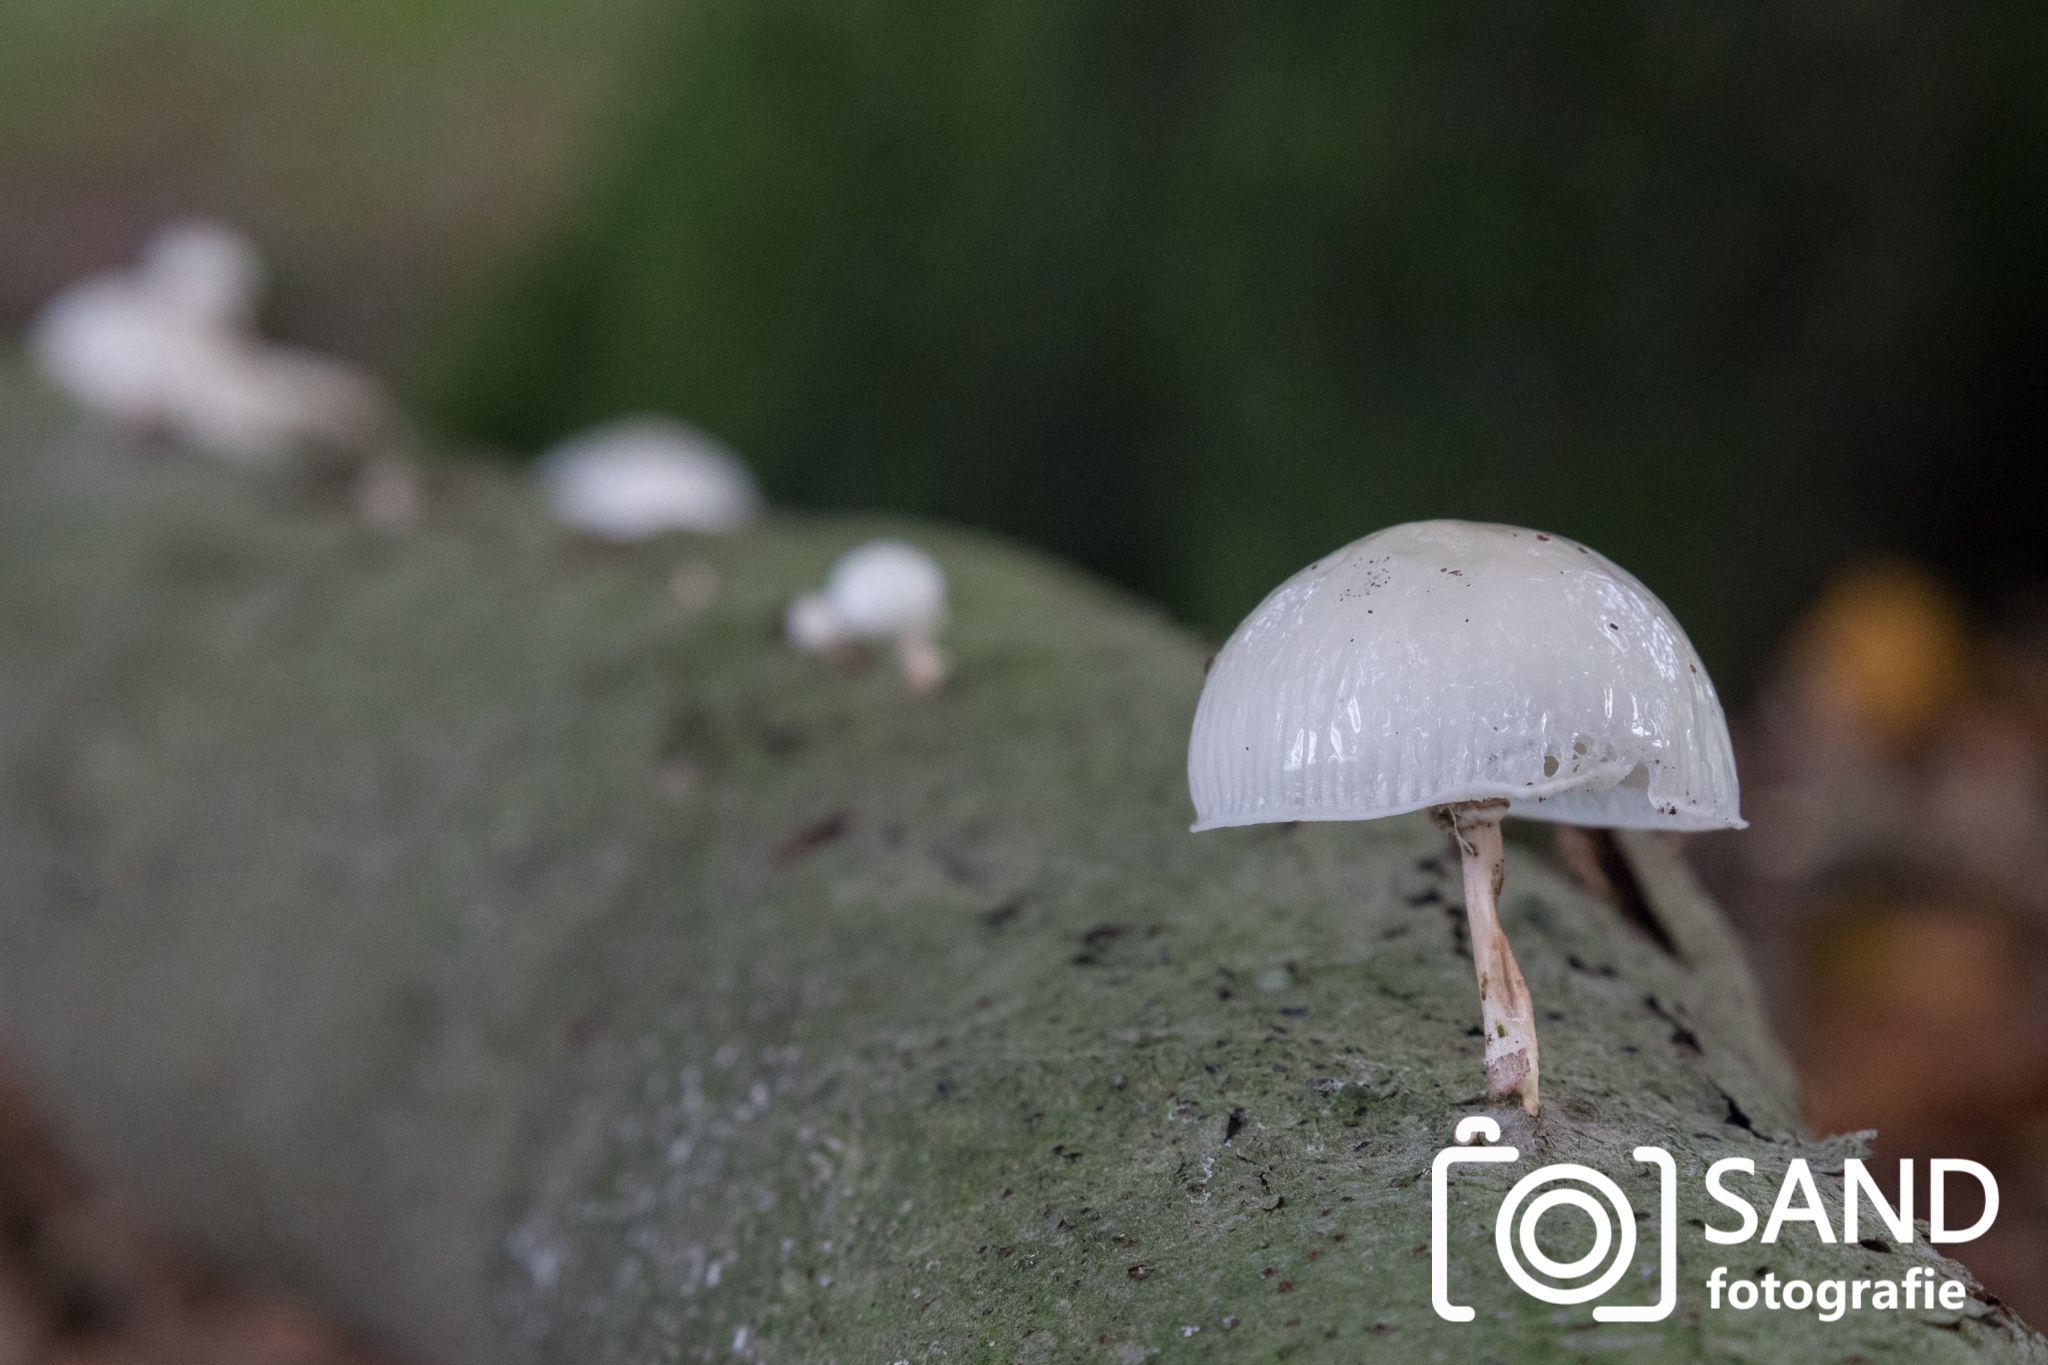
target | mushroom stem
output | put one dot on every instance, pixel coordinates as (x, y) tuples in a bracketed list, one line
[(924, 664), (1505, 1011), (386, 493)]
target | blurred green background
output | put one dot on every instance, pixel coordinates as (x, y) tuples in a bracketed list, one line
[(1195, 293), (388, 155), (1190, 293)]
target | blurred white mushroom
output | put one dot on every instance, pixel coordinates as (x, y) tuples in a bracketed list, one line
[(104, 343), (641, 476), (888, 591), (170, 347), (812, 626), (1473, 671), (242, 399), (203, 271)]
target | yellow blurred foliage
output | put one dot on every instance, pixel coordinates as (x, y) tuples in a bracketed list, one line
[(1913, 1012), (1886, 651), (1940, 965)]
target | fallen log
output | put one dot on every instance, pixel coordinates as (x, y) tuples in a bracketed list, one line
[(537, 962)]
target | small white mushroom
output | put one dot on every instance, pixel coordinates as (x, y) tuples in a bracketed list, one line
[(203, 271), (1473, 671), (240, 398), (169, 347), (106, 345), (640, 476), (812, 626), (121, 341), (888, 591)]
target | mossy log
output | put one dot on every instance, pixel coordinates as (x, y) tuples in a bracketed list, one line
[(466, 929)]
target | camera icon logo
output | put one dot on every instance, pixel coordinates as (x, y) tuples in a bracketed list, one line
[(1614, 1229)]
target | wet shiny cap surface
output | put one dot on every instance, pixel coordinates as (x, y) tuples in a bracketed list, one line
[(1446, 661)]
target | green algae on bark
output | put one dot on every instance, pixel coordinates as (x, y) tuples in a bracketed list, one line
[(461, 929)]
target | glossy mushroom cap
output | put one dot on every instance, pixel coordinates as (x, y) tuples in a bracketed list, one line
[(1449, 661), (641, 476), (887, 589)]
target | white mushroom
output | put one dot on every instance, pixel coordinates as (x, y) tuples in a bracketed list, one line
[(641, 476), (1473, 671), (106, 344), (203, 271), (812, 626), (243, 399), (119, 342), (170, 347), (885, 590)]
